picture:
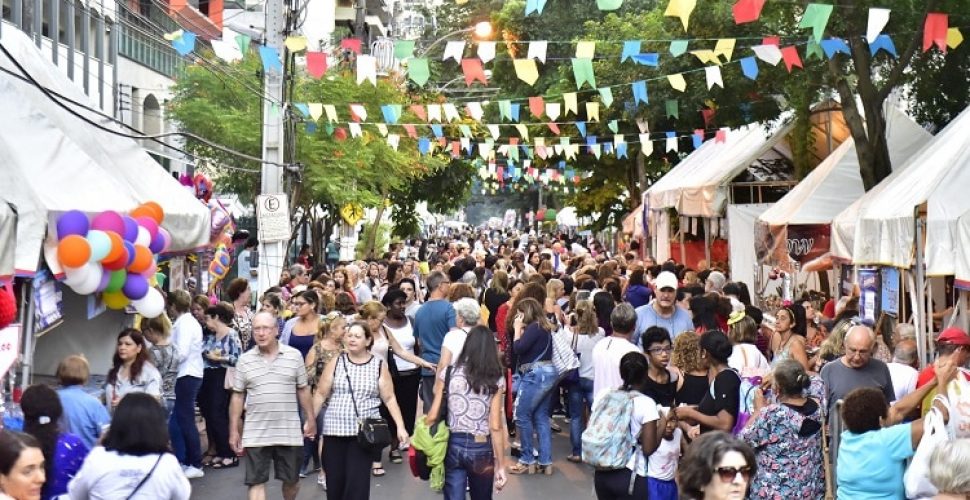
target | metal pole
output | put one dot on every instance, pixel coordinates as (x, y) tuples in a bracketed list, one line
[(920, 312), (272, 256), (27, 361), (707, 241), (55, 30), (71, 35)]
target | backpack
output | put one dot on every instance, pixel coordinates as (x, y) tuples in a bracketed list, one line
[(746, 391), (607, 443)]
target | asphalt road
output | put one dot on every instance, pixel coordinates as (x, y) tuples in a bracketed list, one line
[(569, 481)]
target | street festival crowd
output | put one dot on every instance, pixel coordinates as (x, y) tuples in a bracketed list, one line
[(460, 357)]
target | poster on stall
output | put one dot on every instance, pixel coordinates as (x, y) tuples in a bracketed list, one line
[(869, 293), (890, 290), (9, 347), (48, 302)]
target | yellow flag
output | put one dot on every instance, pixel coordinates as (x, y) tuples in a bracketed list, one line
[(526, 70), (724, 47), (706, 56), (295, 43), (953, 38), (681, 9), (593, 111), (569, 102), (585, 50), (677, 82)]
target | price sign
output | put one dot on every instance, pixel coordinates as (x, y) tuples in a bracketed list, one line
[(9, 347)]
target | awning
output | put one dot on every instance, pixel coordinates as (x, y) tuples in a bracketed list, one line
[(938, 176), (824, 193), (8, 238), (57, 162)]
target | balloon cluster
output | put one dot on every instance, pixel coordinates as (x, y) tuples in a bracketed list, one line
[(219, 266), (114, 254)]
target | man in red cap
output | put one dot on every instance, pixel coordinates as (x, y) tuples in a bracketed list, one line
[(952, 343)]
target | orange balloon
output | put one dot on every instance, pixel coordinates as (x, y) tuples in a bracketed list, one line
[(73, 251), (142, 211), (143, 260), (117, 247), (154, 211)]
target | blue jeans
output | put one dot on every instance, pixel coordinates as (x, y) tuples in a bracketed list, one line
[(469, 462), (184, 433), (580, 398), (533, 410), (178, 446)]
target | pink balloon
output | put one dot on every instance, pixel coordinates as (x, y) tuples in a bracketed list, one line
[(152, 269), (149, 224), (166, 237), (109, 220)]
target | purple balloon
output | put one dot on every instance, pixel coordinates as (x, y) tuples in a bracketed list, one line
[(136, 287), (166, 237), (109, 220), (158, 243), (105, 278), (130, 248), (131, 229), (72, 222)]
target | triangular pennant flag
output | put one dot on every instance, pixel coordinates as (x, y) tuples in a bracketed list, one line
[(243, 42), (646, 147), (391, 112), (706, 56), (707, 114), (358, 113), (271, 59), (419, 111), (536, 106), (934, 31), (537, 50), (473, 70), (455, 149), (534, 6), (466, 144), (713, 75), (412, 133), (613, 125), (486, 51), (883, 42), (790, 55), (606, 96), (227, 51), (725, 48), (749, 67), (526, 70), (813, 49), (647, 59), (595, 150), (418, 71), (303, 108), (593, 111), (672, 141), (697, 138), (523, 131), (382, 128), (677, 82), (331, 112), (403, 49), (770, 54), (816, 17), (643, 126), (367, 69), (640, 92), (678, 47), (351, 44), (436, 130), (630, 49), (581, 126), (424, 145), (504, 110), (672, 108), (354, 129), (720, 135), (681, 9), (552, 126), (316, 110), (747, 11), (454, 49), (434, 113), (466, 131), (393, 140), (295, 43), (493, 130), (877, 21), (515, 111), (608, 4), (553, 109), (771, 40), (833, 46), (621, 150), (475, 110), (953, 38), (583, 72), (185, 44), (316, 64), (585, 50), (451, 112), (569, 102)]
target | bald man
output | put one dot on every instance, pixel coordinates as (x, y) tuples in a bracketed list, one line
[(902, 369), (856, 368)]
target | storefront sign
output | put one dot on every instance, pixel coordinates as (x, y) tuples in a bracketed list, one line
[(890, 290)]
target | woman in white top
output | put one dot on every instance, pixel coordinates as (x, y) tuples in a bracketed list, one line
[(584, 334), (385, 343), (131, 370), (405, 374), (746, 358), (133, 461)]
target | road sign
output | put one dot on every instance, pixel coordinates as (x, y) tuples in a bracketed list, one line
[(273, 217), (352, 213)]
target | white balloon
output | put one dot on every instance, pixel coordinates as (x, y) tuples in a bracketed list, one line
[(151, 305), (75, 275), (92, 279), (144, 237)]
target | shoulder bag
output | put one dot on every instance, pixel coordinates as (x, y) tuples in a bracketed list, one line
[(145, 479), (372, 433)]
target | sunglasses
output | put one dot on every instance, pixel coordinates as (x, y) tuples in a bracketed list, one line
[(729, 474)]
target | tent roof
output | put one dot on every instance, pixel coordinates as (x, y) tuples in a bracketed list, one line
[(836, 181), (937, 175), (8, 235), (64, 163)]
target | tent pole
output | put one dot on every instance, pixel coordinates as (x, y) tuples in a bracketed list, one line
[(707, 241), (683, 251), (921, 331), (27, 360)]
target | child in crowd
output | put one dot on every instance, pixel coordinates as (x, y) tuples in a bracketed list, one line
[(662, 464)]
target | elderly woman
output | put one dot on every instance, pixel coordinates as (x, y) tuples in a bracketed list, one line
[(949, 472), (717, 466), (787, 438), (874, 447)]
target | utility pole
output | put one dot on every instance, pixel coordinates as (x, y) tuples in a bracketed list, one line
[(272, 253)]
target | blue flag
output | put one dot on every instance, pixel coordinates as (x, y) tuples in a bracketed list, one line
[(749, 66)]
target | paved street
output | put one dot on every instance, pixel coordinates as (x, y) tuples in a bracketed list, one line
[(569, 481)]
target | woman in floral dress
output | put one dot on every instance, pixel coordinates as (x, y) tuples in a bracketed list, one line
[(787, 438)]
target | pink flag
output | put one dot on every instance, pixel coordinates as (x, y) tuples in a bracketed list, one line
[(351, 44), (473, 70), (316, 64), (934, 31), (790, 55), (420, 112)]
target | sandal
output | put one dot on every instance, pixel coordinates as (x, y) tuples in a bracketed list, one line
[(208, 460), (225, 463), (521, 468), (378, 471), (395, 457), (574, 459)]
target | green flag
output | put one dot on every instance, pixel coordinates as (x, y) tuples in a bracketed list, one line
[(613, 125), (606, 96), (505, 110), (418, 71), (583, 71), (813, 49), (609, 4), (678, 47), (403, 49), (673, 108), (816, 17)]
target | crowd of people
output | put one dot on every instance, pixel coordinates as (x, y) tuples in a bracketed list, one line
[(674, 385)]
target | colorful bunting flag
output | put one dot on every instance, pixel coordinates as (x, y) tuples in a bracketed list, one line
[(681, 9), (672, 108), (316, 64), (403, 49), (473, 70), (606, 96), (526, 70), (475, 110), (227, 51), (505, 110), (640, 92), (813, 49), (608, 4), (537, 50), (677, 82), (630, 49), (185, 44), (747, 11), (593, 111), (791, 57), (418, 71), (770, 54), (295, 43), (351, 44), (613, 125), (391, 112), (585, 49), (647, 59), (672, 141), (725, 48), (553, 109), (816, 17), (877, 21), (935, 31), (367, 69), (583, 72), (713, 76), (454, 49), (537, 106), (316, 110), (953, 38), (581, 127), (834, 46), (646, 147), (678, 47), (534, 6), (486, 51), (434, 113), (331, 113), (270, 57), (749, 67), (358, 113), (883, 42), (569, 102)]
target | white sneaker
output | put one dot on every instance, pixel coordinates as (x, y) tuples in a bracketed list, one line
[(192, 472)]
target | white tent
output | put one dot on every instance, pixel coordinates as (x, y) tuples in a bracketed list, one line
[(567, 217), (58, 162), (8, 239), (827, 190)]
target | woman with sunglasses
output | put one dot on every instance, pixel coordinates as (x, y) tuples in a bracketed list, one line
[(717, 466)]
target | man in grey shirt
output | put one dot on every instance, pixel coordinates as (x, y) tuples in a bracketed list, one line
[(856, 368)]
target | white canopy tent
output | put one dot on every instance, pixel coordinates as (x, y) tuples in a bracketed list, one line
[(8, 240), (64, 163), (567, 217)]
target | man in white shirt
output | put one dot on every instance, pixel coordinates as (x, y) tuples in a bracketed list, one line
[(608, 352), (902, 369), (361, 291), (187, 337)]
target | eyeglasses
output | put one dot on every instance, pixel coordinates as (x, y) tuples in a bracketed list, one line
[(658, 350), (729, 474)]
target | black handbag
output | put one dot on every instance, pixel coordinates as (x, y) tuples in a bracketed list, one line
[(372, 433)]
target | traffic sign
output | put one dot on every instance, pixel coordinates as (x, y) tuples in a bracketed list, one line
[(273, 217)]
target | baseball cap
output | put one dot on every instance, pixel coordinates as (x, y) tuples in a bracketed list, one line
[(953, 335), (666, 279)]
